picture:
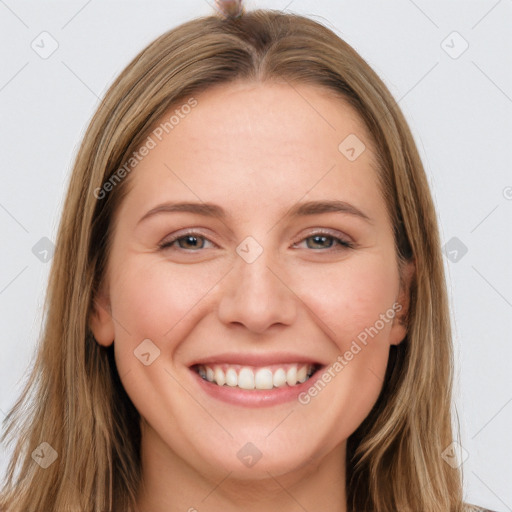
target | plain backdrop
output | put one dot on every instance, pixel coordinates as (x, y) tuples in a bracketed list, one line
[(448, 64)]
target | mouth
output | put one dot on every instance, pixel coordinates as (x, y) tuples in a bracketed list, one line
[(289, 375)]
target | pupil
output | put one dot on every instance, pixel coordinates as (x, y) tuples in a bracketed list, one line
[(320, 239), (191, 240)]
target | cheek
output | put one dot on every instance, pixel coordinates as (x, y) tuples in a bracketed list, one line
[(352, 298), (161, 302), (152, 299), (354, 303)]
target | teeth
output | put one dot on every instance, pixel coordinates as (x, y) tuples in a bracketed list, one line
[(279, 378), (246, 377), (263, 378), (291, 376), (219, 377), (231, 377), (302, 374)]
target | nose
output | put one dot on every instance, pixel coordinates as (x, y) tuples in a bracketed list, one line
[(256, 295)]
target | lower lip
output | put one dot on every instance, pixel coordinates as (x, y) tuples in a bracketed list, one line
[(256, 397)]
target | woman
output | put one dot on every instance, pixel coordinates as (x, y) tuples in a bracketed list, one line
[(246, 307)]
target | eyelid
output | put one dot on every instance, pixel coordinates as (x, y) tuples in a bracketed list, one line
[(327, 232)]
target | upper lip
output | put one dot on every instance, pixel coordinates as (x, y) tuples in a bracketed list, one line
[(255, 359)]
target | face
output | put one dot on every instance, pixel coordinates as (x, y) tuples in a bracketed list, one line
[(252, 289)]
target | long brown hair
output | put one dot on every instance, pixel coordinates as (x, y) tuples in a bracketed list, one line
[(74, 400)]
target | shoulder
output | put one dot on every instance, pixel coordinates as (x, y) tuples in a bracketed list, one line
[(474, 508)]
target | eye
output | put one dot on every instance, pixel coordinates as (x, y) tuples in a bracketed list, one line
[(326, 240), (190, 240), (194, 241)]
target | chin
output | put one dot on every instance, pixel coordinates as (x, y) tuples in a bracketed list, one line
[(258, 460)]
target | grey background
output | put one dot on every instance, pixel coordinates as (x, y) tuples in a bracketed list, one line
[(460, 110)]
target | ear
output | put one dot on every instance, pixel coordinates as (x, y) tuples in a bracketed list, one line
[(402, 304), (100, 320)]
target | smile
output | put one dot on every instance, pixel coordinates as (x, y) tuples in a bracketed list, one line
[(256, 378)]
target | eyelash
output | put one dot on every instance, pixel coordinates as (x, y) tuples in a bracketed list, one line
[(345, 244)]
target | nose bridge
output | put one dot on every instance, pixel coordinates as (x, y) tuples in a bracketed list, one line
[(255, 296), (256, 278)]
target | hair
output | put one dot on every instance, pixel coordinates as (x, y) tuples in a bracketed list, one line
[(74, 399)]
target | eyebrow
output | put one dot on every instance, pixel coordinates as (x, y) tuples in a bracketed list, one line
[(317, 207), (206, 209), (299, 210)]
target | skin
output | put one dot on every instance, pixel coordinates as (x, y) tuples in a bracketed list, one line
[(256, 150)]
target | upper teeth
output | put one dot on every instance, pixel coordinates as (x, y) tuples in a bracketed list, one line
[(247, 377)]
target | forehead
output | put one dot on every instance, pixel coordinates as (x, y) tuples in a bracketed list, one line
[(240, 116), (257, 144)]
